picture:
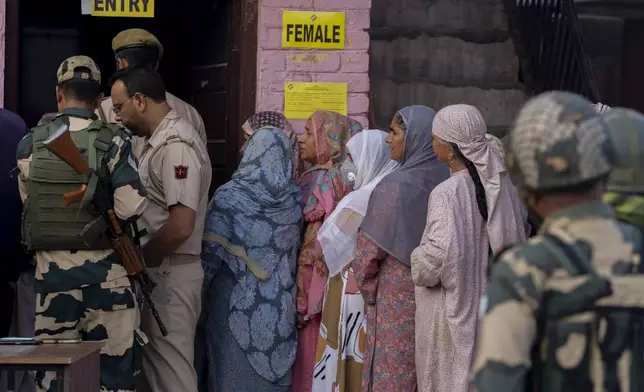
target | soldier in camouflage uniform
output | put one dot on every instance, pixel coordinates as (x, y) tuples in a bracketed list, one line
[(564, 311), (83, 290)]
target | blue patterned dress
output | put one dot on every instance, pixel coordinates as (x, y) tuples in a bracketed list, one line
[(247, 336)]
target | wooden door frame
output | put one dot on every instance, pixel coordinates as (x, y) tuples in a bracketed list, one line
[(11, 55), (242, 84), (243, 58)]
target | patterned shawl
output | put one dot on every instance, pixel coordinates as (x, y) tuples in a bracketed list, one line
[(254, 225), (322, 189), (261, 120)]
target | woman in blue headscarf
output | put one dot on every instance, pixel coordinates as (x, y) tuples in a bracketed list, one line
[(251, 240)]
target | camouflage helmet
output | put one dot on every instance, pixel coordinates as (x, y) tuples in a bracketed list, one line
[(558, 140), (626, 133), (78, 67)]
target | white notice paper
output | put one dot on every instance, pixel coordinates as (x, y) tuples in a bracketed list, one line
[(86, 7)]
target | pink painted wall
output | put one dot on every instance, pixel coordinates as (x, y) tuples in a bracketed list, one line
[(276, 65), (2, 32)]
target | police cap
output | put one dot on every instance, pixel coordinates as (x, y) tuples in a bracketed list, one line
[(136, 38)]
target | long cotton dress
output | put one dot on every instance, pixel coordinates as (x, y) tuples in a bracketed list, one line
[(388, 291), (451, 264)]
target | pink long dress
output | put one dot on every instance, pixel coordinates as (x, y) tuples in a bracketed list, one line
[(388, 291), (449, 269)]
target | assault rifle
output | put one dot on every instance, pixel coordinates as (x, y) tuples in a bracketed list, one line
[(62, 145)]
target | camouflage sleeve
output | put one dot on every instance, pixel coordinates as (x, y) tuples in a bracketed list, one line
[(508, 328), (129, 194), (23, 157)]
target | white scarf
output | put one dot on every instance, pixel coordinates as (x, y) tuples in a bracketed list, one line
[(337, 236)]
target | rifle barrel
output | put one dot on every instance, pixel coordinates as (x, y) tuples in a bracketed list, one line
[(153, 309)]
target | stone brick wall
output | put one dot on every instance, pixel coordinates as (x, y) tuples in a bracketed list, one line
[(276, 65), (442, 52)]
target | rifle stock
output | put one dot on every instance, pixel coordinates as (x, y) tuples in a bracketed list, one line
[(62, 145)]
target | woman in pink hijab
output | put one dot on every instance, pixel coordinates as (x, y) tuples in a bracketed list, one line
[(323, 146), (476, 210)]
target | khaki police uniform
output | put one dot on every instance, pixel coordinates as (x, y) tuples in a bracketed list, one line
[(87, 294), (183, 109), (138, 37), (175, 169)]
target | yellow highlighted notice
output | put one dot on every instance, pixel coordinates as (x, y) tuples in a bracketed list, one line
[(123, 8), (302, 99), (313, 30)]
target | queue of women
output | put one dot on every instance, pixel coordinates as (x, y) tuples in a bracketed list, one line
[(346, 260)]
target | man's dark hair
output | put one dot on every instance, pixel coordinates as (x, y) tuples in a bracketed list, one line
[(146, 56), (81, 90), (141, 80)]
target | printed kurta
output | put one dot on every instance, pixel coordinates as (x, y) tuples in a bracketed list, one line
[(388, 291), (340, 352), (449, 270)]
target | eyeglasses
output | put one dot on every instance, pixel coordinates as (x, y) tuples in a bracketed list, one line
[(117, 107)]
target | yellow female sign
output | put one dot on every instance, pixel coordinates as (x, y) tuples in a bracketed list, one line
[(313, 30)]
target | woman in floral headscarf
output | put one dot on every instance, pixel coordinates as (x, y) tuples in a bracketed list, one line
[(323, 146), (277, 120)]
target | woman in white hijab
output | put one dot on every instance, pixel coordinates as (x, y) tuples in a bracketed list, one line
[(475, 210), (339, 356)]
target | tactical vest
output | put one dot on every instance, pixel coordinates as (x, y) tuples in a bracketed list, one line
[(46, 223), (601, 319)]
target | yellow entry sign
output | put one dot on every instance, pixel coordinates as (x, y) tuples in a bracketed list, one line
[(315, 30), (302, 99), (123, 8)]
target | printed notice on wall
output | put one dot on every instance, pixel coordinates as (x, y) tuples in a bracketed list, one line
[(123, 8), (302, 99), (314, 30)]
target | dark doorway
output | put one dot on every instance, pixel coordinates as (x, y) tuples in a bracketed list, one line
[(204, 41)]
